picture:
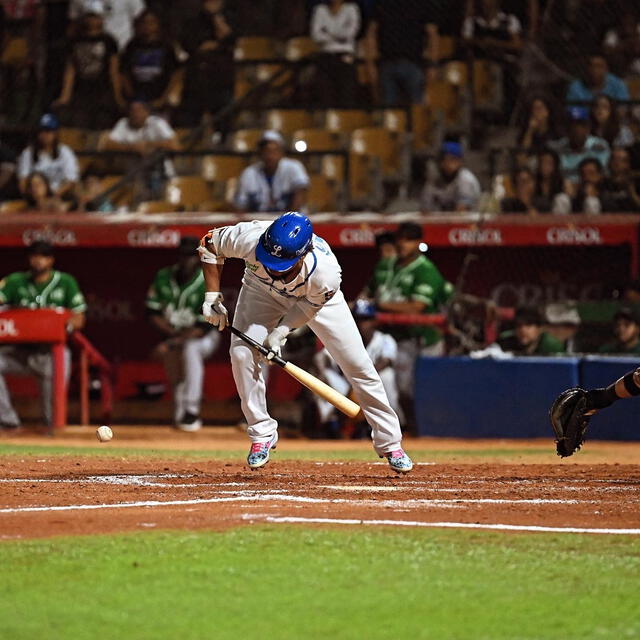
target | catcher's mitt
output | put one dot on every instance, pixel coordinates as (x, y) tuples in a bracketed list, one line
[(569, 418)]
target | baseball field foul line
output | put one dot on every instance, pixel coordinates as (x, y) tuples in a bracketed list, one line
[(448, 525)]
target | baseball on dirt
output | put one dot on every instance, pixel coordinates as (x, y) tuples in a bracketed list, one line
[(104, 433)]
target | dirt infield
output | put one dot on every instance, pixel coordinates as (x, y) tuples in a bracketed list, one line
[(526, 490)]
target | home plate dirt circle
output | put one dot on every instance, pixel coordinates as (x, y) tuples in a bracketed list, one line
[(87, 495)]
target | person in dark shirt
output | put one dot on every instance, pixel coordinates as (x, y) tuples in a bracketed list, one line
[(589, 195), (209, 75), (525, 199), (550, 183), (539, 126), (91, 90), (396, 35), (620, 190), (626, 329), (528, 338), (149, 64)]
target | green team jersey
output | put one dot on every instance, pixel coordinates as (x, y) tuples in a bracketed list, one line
[(180, 304), (547, 344), (60, 290), (420, 281), (619, 349)]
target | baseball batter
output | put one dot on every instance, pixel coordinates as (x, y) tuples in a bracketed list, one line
[(291, 278)]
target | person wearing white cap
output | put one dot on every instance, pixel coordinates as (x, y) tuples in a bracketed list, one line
[(274, 183)]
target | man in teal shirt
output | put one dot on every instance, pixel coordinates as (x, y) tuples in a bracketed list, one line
[(626, 329), (409, 283), (174, 306), (40, 287)]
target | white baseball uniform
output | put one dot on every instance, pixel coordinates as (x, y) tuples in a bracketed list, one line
[(313, 297)]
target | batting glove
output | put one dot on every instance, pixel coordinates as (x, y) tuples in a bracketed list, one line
[(276, 340), (214, 311)]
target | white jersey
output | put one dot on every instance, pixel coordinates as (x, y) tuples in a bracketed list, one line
[(382, 346), (317, 282)]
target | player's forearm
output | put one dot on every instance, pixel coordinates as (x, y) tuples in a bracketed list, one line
[(212, 275)]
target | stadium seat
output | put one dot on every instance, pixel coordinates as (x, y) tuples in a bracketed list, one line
[(456, 73), (347, 120), (221, 168), (13, 206), (244, 140), (633, 84), (77, 139), (421, 127), (442, 97), (315, 140), (122, 195), (322, 194), (333, 167), (286, 121), (188, 191), (446, 47), (156, 206), (255, 48), (487, 78), (378, 143), (395, 120), (297, 48)]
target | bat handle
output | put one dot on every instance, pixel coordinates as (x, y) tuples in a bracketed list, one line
[(267, 353)]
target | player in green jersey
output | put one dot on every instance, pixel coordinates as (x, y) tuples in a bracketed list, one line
[(174, 306), (38, 288)]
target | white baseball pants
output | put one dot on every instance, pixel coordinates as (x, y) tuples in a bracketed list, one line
[(257, 313), (185, 370)]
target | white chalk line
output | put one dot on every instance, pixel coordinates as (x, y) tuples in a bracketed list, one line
[(447, 525)]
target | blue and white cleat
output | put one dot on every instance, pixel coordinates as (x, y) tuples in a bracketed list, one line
[(259, 452), (399, 461)]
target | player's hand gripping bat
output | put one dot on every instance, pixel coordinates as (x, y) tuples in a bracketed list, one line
[(340, 402)]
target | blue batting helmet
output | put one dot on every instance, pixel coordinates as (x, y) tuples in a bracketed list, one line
[(285, 241), (363, 309)]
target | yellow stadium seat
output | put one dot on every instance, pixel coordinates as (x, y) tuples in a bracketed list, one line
[(333, 167), (188, 191), (244, 140), (378, 143), (315, 140), (75, 138), (122, 195), (446, 47), (395, 120), (156, 206), (633, 84), (421, 127), (13, 206), (221, 168), (456, 73), (321, 195), (286, 121), (255, 48), (298, 48), (347, 120), (442, 97)]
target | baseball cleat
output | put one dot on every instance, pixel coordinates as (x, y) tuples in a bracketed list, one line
[(259, 452), (399, 461), (189, 422)]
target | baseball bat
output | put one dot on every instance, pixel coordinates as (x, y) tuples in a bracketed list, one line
[(340, 402)]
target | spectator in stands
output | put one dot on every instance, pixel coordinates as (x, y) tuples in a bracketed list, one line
[(149, 64), (174, 303), (598, 80), (38, 288), (396, 41), (91, 89), (144, 134), (118, 16), (383, 351), (550, 184), (47, 156), (620, 189), (410, 284), (334, 27), (39, 196), (528, 337), (89, 197), (524, 199), (605, 123), (493, 34), (622, 44), (456, 188), (563, 323), (579, 144), (540, 126), (274, 183), (8, 185), (588, 197), (386, 245), (626, 329), (209, 75)]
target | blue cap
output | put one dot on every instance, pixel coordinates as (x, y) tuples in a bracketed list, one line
[(49, 122), (452, 149), (578, 114), (364, 309), (285, 241)]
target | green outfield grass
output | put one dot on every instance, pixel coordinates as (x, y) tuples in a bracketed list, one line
[(286, 583), (281, 454)]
